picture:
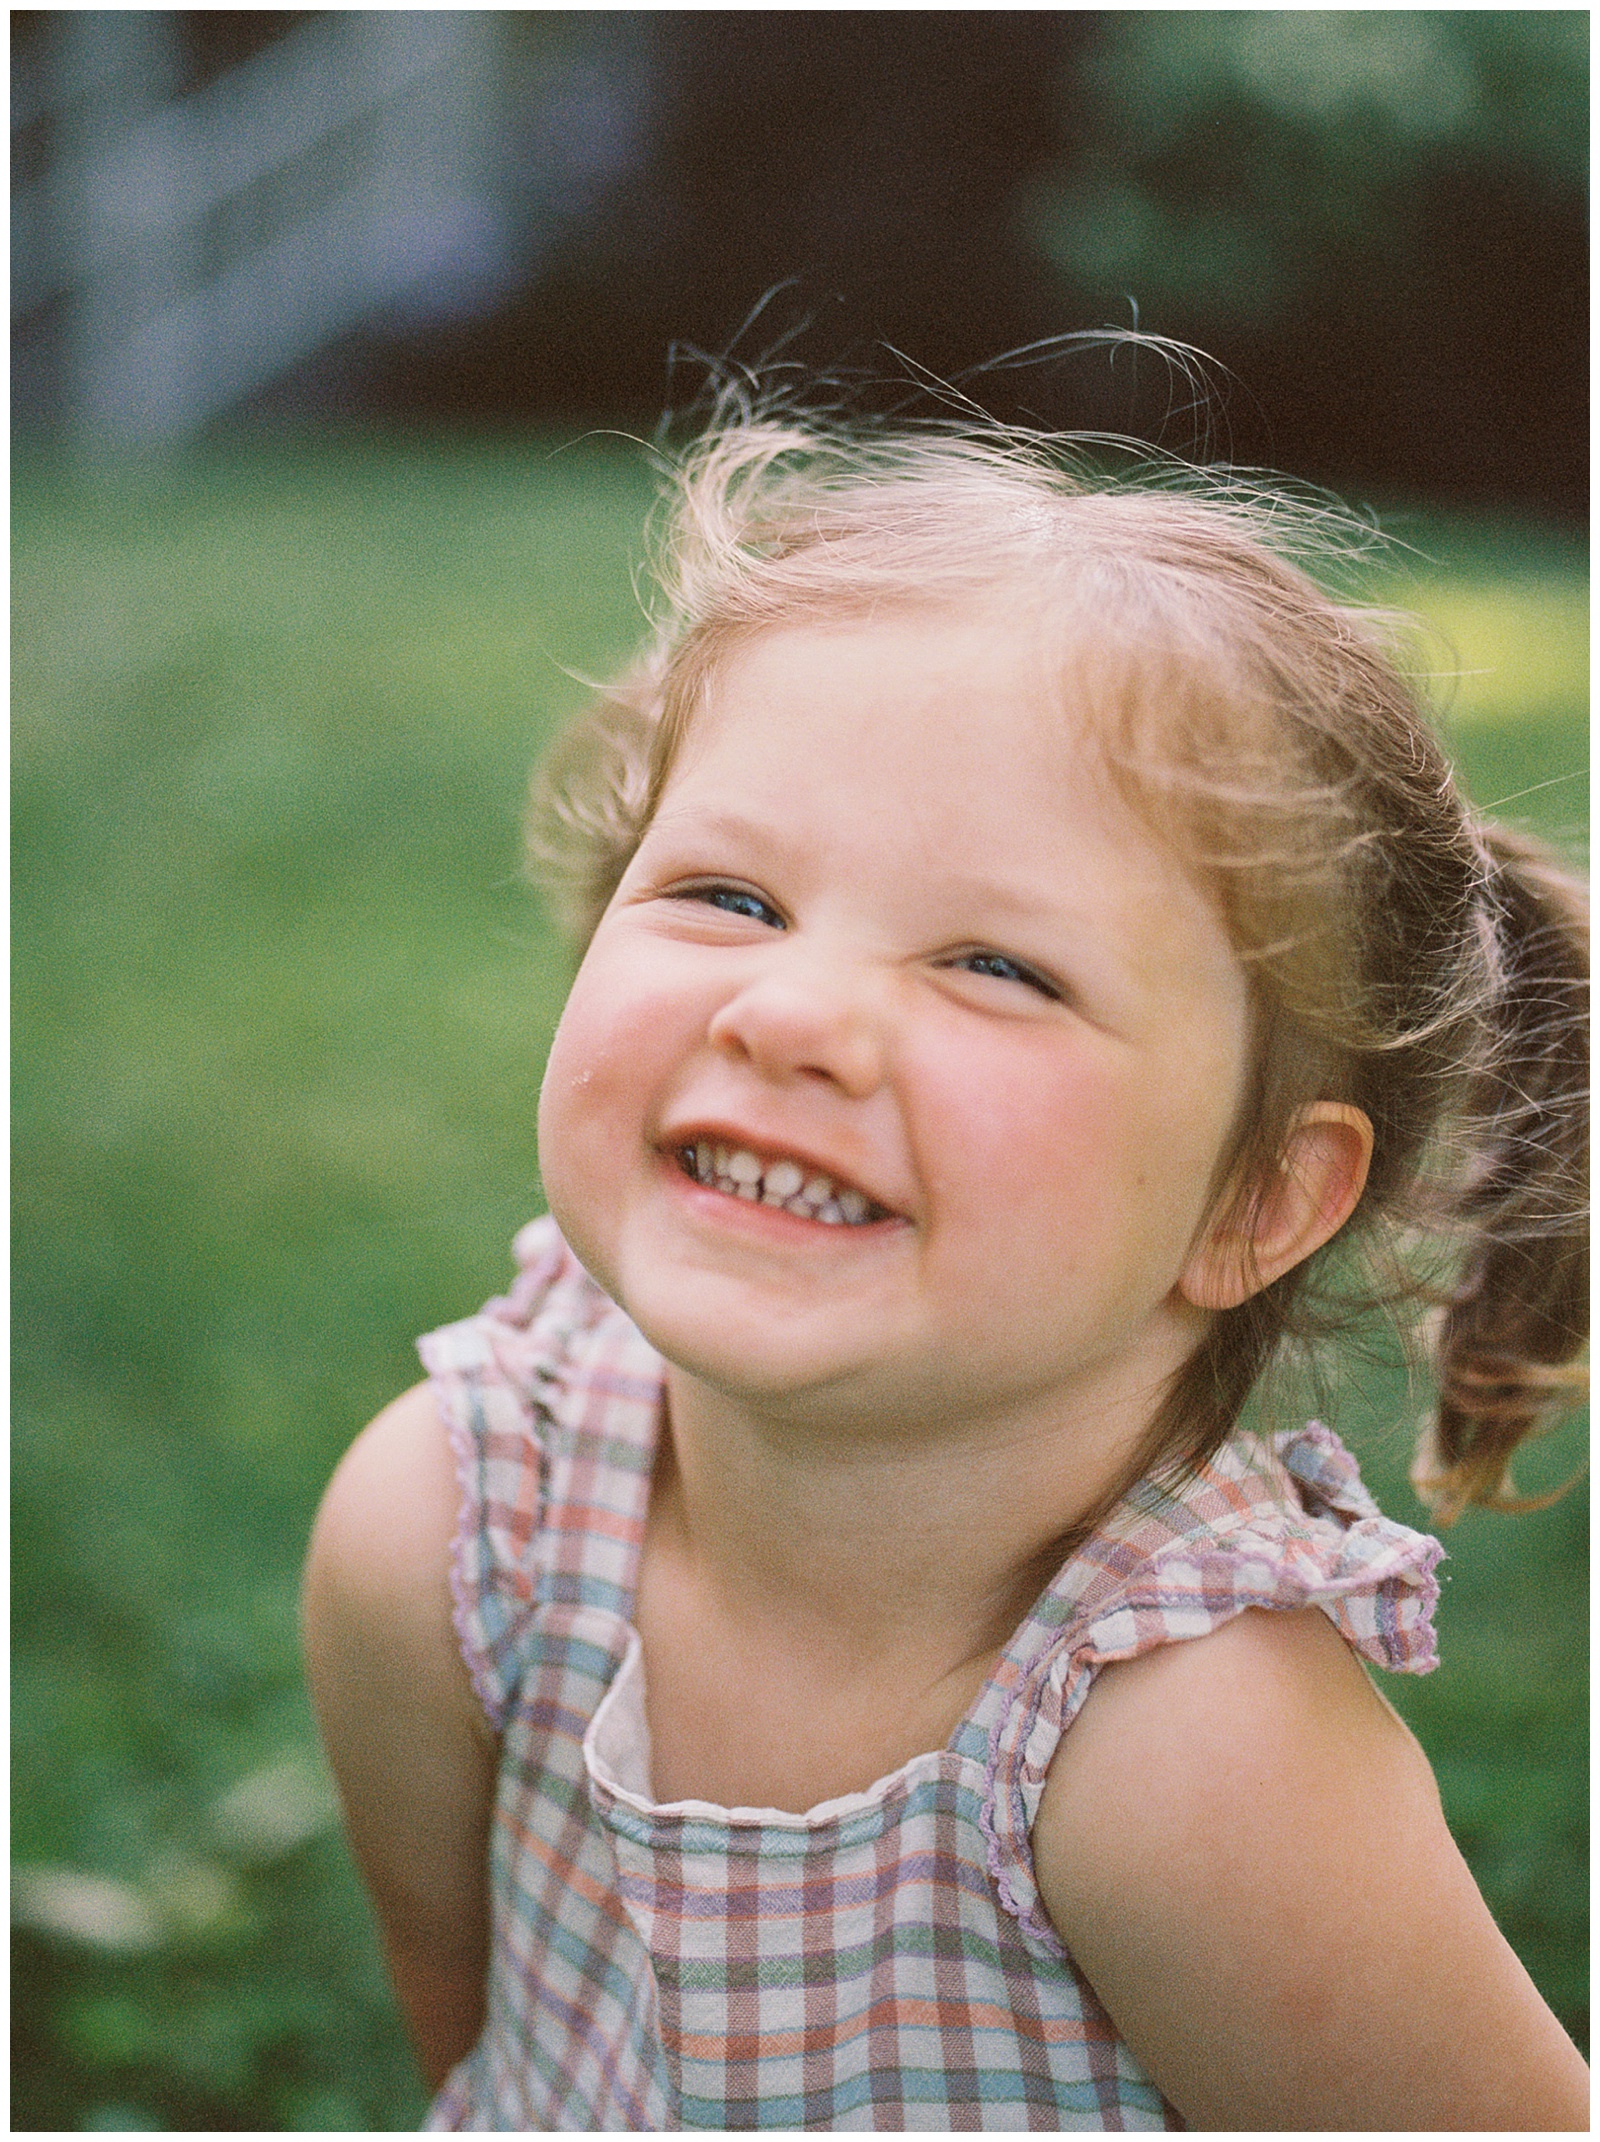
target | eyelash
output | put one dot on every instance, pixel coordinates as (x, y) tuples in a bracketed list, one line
[(1000, 967), (996, 966), (755, 909)]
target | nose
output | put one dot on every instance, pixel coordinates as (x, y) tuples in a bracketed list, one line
[(803, 1018)]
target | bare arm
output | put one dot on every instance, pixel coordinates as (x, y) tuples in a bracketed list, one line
[(1243, 1849), (412, 1751)]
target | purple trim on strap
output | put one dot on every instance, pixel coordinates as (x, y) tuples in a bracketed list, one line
[(462, 1546), (449, 1394), (1029, 1917)]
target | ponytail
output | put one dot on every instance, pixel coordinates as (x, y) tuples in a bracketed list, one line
[(1512, 1326)]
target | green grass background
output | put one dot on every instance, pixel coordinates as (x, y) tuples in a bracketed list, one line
[(280, 1007)]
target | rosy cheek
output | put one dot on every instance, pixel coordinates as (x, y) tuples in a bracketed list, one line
[(577, 1077), (604, 1006), (1026, 1134), (624, 1026)]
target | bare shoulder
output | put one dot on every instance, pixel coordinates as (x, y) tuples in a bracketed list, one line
[(389, 1513), (1257, 1696), (1244, 1850), (377, 1587), (1199, 1757)]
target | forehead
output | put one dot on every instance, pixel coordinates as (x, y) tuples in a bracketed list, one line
[(958, 748), (971, 684), (980, 709)]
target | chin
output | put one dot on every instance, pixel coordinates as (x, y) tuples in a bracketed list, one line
[(753, 1365), (752, 1359)]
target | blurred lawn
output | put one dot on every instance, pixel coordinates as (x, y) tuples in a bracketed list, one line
[(279, 1012)]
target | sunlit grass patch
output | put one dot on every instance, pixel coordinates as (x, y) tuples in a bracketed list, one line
[(1507, 611), (1520, 649)]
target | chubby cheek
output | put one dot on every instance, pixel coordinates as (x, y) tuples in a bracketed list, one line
[(594, 1102), (565, 1133), (1067, 1172)]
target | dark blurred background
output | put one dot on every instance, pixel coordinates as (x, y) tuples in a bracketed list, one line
[(326, 326), (1376, 220)]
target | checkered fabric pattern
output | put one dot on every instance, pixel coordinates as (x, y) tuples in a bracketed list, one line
[(881, 1962)]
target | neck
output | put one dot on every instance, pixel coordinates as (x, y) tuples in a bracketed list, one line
[(940, 1537)]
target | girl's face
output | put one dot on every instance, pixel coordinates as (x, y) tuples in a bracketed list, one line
[(896, 1079)]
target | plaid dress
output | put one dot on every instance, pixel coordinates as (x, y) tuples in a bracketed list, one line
[(881, 1961)]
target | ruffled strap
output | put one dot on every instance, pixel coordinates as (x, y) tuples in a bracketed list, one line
[(1325, 1544), (1379, 1588), (494, 1375), (1299, 1530)]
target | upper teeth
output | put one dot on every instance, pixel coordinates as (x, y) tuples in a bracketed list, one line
[(741, 1173)]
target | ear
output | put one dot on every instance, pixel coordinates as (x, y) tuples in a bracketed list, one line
[(1313, 1190)]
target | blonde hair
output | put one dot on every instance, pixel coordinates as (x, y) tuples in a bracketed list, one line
[(1405, 955)]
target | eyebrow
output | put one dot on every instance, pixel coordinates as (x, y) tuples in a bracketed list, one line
[(710, 820)]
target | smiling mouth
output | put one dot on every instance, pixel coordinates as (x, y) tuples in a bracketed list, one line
[(781, 1182)]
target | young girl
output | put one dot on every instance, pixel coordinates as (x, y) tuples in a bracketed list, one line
[(823, 1652)]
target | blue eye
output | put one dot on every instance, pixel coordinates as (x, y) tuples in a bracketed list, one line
[(736, 900), (1002, 968)]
